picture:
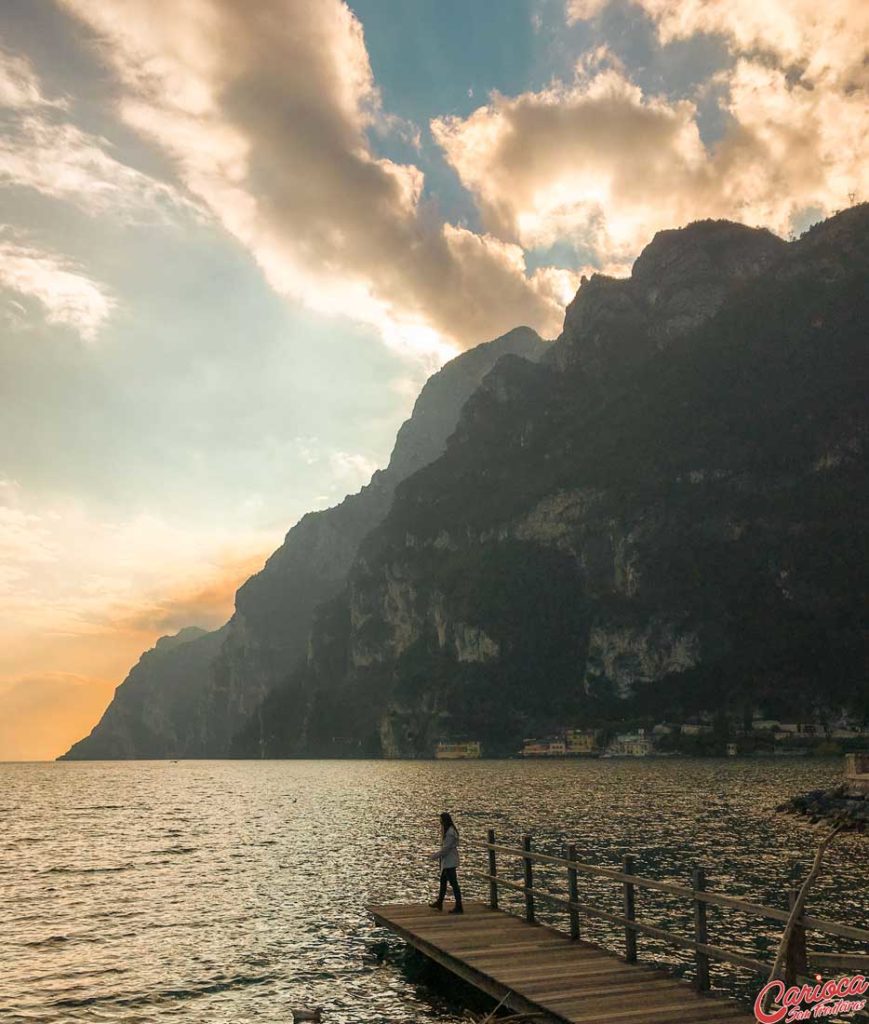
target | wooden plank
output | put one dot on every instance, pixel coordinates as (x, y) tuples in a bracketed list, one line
[(591, 1012), (560, 987)]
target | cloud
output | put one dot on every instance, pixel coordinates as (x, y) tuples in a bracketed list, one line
[(594, 162), (267, 111), (62, 162), (40, 149), (826, 41), (205, 601), (66, 295), (600, 164), (67, 570), (20, 88)]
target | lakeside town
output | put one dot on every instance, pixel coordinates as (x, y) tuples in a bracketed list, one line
[(700, 736)]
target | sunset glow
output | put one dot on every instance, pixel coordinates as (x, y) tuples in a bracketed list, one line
[(237, 238)]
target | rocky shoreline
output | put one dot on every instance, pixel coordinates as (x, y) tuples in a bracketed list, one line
[(837, 806)]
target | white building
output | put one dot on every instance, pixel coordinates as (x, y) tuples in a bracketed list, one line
[(630, 744)]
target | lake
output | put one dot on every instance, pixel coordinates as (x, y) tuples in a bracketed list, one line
[(229, 891)]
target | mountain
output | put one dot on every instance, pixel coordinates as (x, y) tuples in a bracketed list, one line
[(666, 515), (189, 695)]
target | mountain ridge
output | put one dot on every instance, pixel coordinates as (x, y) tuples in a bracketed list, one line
[(661, 514), (190, 703), (669, 528)]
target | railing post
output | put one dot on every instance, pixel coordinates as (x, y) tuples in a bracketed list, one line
[(573, 891), (529, 880), (796, 960), (493, 872), (630, 913), (701, 934)]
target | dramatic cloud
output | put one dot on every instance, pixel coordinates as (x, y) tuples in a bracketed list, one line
[(66, 295), (825, 41), (267, 111), (41, 150), (598, 163), (595, 163)]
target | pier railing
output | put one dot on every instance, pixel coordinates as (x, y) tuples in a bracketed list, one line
[(797, 958)]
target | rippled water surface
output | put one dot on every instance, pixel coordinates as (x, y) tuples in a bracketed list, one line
[(235, 891)]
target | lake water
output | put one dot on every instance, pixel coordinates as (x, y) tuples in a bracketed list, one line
[(214, 892)]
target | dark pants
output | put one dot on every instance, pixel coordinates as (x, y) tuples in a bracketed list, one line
[(449, 875)]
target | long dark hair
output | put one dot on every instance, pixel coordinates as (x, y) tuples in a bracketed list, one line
[(447, 822)]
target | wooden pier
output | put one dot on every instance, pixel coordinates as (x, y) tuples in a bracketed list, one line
[(536, 969)]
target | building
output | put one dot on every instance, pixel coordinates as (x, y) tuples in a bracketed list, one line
[(695, 728), (552, 747), (469, 749), (796, 728), (845, 733), (630, 744), (765, 724), (580, 741), (857, 773)]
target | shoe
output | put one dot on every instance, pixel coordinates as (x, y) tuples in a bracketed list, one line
[(457, 909), (437, 905)]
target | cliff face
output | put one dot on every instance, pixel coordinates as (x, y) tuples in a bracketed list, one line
[(192, 693), (668, 514), (678, 282), (157, 711)]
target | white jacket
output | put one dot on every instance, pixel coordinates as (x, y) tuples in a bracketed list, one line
[(448, 854)]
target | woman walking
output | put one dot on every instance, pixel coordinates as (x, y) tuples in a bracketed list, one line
[(448, 855)]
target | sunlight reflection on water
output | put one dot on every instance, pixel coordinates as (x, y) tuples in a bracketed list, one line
[(233, 891)]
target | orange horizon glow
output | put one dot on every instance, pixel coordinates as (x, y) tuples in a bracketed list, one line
[(55, 685)]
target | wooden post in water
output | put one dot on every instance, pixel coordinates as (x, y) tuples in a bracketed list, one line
[(529, 880), (573, 891), (630, 912), (493, 872), (701, 934), (796, 960)]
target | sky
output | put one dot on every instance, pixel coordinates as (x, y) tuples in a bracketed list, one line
[(236, 238)]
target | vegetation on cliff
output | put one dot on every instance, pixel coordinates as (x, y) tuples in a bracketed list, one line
[(667, 516)]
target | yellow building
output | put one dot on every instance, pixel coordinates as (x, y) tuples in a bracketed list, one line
[(580, 741), (458, 751)]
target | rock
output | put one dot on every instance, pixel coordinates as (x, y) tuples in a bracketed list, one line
[(680, 280)]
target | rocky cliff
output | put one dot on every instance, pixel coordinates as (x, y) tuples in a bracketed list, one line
[(666, 515), (191, 693), (157, 711)]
